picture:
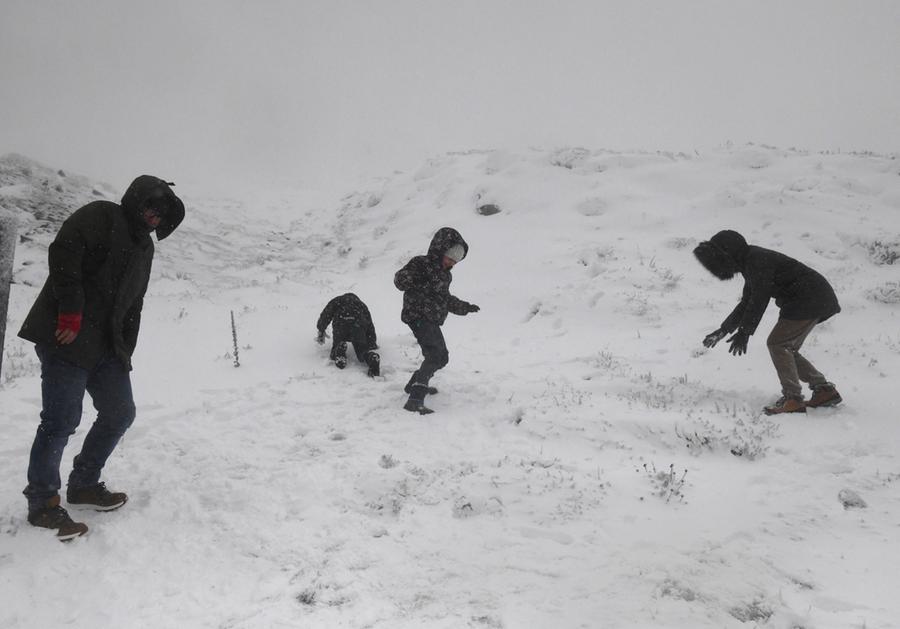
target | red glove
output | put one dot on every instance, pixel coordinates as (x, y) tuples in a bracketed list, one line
[(67, 327)]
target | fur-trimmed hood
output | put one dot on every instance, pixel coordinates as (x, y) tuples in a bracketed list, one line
[(724, 254), (800, 292)]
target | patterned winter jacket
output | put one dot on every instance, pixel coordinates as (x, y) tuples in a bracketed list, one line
[(350, 320), (99, 267), (800, 292), (426, 284)]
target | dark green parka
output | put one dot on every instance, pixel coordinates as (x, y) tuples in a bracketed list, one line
[(99, 266)]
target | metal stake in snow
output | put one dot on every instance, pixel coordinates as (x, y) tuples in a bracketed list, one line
[(7, 248), (237, 363)]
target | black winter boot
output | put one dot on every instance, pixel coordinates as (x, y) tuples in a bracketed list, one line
[(416, 401), (408, 388), (339, 355), (373, 360)]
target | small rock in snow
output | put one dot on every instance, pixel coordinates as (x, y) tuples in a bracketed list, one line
[(851, 500)]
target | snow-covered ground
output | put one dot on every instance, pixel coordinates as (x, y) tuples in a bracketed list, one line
[(589, 463)]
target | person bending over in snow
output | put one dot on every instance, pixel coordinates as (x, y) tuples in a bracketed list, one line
[(84, 324), (804, 297), (425, 282), (350, 323)]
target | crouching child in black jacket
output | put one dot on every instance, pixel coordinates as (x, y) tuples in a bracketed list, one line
[(350, 322)]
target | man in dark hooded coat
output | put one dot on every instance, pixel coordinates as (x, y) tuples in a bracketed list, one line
[(85, 324), (350, 322), (805, 299), (425, 282)]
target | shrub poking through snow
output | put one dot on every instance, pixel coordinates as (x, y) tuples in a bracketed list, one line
[(671, 588), (667, 484), (747, 438), (570, 158), (881, 252), (755, 611), (887, 293), (307, 597), (19, 363)]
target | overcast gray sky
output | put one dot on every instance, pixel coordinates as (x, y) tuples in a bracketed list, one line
[(211, 90)]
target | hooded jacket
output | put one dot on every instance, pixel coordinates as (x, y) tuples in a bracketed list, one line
[(350, 320), (800, 292), (426, 283), (99, 266)]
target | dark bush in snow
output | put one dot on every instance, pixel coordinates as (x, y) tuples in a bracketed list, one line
[(881, 252)]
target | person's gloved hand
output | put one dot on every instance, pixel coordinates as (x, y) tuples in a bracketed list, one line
[(320, 339), (712, 338), (67, 327), (739, 343), (472, 308)]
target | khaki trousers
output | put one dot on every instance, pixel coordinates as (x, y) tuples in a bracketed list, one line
[(784, 344)]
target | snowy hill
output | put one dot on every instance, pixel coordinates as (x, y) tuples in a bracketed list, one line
[(590, 463), (40, 198), (44, 196)]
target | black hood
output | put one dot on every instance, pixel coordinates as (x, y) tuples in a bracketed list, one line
[(146, 188), (723, 255), (443, 239)]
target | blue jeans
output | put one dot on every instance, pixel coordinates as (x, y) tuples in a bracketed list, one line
[(62, 392)]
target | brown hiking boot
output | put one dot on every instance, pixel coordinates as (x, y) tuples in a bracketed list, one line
[(824, 395), (786, 405), (52, 516), (98, 498)]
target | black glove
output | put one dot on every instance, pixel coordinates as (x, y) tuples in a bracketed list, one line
[(320, 339), (712, 338), (739, 343), (472, 308)]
